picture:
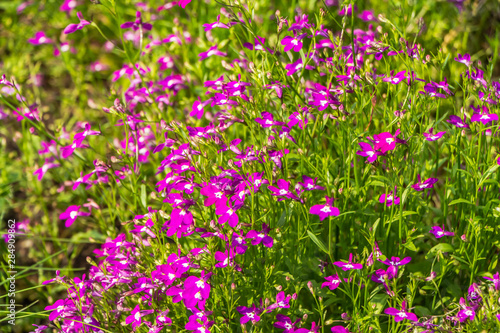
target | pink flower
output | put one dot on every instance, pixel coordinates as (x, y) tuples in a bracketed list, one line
[(400, 315), (70, 215), (390, 199), (325, 210), (438, 232), (349, 265), (211, 51), (74, 27), (433, 137), (39, 39), (332, 282)]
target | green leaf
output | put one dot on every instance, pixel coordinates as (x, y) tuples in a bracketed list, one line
[(454, 202), (143, 195), (318, 242), (440, 248)]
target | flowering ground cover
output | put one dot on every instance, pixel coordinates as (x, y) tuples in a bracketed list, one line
[(247, 166)]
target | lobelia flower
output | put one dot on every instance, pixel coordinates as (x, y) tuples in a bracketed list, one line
[(198, 108), (249, 314), (400, 315), (396, 79), (439, 232), (228, 214), (137, 24), (369, 151), (46, 166), (68, 5), (332, 282), (420, 186), (339, 329), (433, 137), (495, 279), (301, 22), (210, 52), (390, 199), (466, 312), (282, 302), (455, 120), (70, 215), (39, 39), (285, 323), (218, 24), (309, 184), (349, 265), (298, 118), (386, 141), (431, 90), (74, 27), (136, 315), (258, 237), (326, 210), (282, 190), (464, 59), (183, 3), (367, 16), (296, 66), (381, 275), (267, 120), (293, 43), (483, 116), (395, 261), (277, 86)]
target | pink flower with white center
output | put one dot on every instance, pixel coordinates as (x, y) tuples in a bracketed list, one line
[(495, 280), (296, 66), (339, 329), (211, 52), (368, 151), (386, 141), (46, 166), (198, 108), (70, 215), (433, 137), (228, 214), (332, 282), (396, 261), (68, 5), (249, 314), (467, 312), (261, 237), (465, 59), (294, 43), (39, 39), (400, 315), (390, 198), (439, 232), (326, 210), (74, 27), (282, 302), (137, 24), (347, 266), (420, 186), (136, 315), (483, 116)]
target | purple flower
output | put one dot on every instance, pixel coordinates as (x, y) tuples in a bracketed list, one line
[(369, 151), (465, 59), (314, 329), (339, 329), (293, 42), (137, 23), (367, 16), (301, 22), (495, 279), (249, 314), (46, 166), (466, 312), (267, 120), (136, 315), (298, 118), (349, 265), (325, 210), (309, 184), (68, 5), (483, 116), (385, 141), (278, 87), (455, 120), (282, 190), (332, 282), (282, 302), (390, 199), (217, 24), (396, 261), (39, 39), (420, 186), (211, 51), (258, 237), (285, 323), (381, 275), (228, 214), (70, 215), (433, 137), (439, 232), (396, 79), (74, 27), (296, 66), (402, 314)]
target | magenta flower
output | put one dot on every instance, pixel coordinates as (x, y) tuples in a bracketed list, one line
[(293, 42), (390, 199), (400, 315), (183, 3), (282, 302), (332, 282), (70, 215), (433, 137), (396, 79), (385, 141), (495, 279), (136, 315), (314, 329), (249, 314), (261, 237), (325, 210), (467, 312), (39, 39), (228, 214), (439, 232), (217, 24), (301, 22), (339, 329), (349, 265), (396, 261), (483, 116), (296, 66), (381, 275), (278, 87), (367, 16), (285, 323), (198, 108), (74, 27), (309, 184), (46, 166), (137, 24), (68, 5), (211, 51), (267, 120), (298, 118), (368, 151), (465, 59), (420, 186), (455, 120), (282, 190)]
